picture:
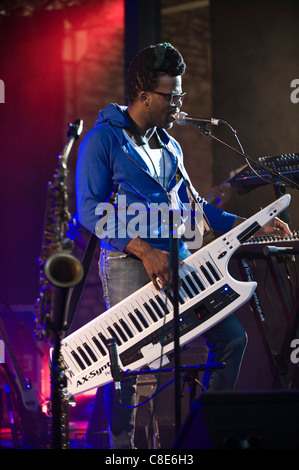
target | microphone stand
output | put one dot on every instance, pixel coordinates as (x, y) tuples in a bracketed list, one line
[(275, 173), (189, 376), (77, 290), (176, 321)]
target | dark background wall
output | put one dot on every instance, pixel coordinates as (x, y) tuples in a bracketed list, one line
[(31, 130), (254, 60)]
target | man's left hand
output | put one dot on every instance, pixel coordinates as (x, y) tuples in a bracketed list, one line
[(275, 227)]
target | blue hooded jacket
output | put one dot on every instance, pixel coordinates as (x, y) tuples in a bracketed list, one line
[(106, 160)]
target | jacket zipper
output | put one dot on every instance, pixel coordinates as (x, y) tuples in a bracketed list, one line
[(167, 193)]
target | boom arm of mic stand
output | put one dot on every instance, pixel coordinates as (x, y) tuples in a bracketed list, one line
[(283, 178), (198, 368)]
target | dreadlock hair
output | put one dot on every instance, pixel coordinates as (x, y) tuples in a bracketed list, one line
[(148, 65)]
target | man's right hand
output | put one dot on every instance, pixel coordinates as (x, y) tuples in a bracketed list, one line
[(156, 262)]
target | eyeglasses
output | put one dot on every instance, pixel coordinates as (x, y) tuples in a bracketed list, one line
[(173, 98)]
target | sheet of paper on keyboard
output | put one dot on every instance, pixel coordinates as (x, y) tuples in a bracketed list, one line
[(152, 352)]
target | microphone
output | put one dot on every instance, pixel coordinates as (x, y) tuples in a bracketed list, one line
[(114, 367), (183, 118), (267, 250)]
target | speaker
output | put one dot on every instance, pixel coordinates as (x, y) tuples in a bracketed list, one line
[(242, 420)]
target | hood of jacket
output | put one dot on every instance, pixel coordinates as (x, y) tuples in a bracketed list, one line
[(114, 116)]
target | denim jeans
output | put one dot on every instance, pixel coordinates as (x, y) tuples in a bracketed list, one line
[(122, 275)]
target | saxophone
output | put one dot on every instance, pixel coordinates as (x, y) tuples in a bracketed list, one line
[(57, 266), (59, 270)]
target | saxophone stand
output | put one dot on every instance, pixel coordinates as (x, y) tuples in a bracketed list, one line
[(58, 383), (59, 406)]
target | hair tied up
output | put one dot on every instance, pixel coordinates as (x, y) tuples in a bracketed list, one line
[(160, 53)]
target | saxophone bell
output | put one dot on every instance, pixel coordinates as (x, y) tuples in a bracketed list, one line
[(63, 270)]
